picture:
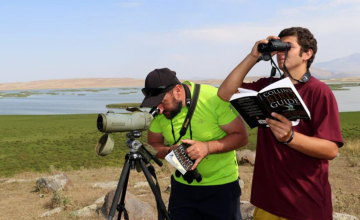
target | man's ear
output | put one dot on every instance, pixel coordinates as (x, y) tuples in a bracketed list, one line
[(307, 55), (177, 90)]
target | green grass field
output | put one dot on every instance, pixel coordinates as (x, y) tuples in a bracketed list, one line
[(36, 143)]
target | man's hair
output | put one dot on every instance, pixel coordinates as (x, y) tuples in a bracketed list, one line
[(305, 39)]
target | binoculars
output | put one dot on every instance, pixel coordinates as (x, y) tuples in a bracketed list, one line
[(273, 45)]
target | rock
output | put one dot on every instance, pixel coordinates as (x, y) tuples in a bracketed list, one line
[(51, 212), (241, 183), (106, 185), (339, 216), (141, 184), (168, 189), (246, 156), (136, 209), (250, 158), (100, 200), (247, 210), (240, 154), (54, 183), (86, 211)]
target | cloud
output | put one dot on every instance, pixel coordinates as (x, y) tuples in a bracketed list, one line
[(229, 34), (343, 2)]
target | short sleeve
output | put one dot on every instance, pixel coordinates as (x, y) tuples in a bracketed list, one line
[(224, 111), (155, 126), (325, 116), (259, 84)]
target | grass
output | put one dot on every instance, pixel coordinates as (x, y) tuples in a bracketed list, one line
[(24, 94), (35, 143), (123, 105), (340, 86)]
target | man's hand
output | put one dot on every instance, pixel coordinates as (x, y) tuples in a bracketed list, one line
[(282, 129), (173, 147), (197, 151), (254, 50)]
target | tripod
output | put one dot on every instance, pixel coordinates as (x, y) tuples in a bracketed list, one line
[(133, 158)]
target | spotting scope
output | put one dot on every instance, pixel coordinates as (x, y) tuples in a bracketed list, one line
[(136, 121)]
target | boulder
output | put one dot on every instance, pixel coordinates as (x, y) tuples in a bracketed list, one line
[(100, 200), (141, 185), (51, 212), (247, 210), (241, 183), (168, 189), (54, 183), (340, 216), (246, 156), (86, 211), (240, 154), (106, 185), (136, 209)]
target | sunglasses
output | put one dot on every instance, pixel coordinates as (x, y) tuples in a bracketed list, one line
[(155, 91)]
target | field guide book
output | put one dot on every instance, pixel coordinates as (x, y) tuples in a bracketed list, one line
[(179, 159), (280, 97)]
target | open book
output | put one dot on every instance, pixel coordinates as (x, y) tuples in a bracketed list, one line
[(179, 159), (280, 97)]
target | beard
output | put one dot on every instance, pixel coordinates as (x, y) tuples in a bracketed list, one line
[(170, 114)]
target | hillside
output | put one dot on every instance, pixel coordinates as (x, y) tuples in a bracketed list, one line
[(125, 82), (344, 67), (90, 83)]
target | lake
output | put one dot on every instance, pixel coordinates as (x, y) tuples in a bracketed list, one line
[(68, 101), (88, 101)]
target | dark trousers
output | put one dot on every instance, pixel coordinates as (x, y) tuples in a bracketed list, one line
[(221, 202)]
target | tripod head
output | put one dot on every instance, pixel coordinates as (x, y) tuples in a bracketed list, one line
[(139, 156), (145, 151)]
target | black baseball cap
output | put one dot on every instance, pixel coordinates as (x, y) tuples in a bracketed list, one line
[(157, 83)]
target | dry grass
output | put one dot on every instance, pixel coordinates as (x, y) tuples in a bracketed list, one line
[(345, 177), (351, 148), (19, 201)]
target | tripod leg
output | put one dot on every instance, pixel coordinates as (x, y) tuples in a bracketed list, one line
[(124, 173), (121, 205), (155, 191)]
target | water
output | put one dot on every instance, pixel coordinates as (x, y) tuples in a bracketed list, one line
[(69, 102), (87, 102), (348, 100)]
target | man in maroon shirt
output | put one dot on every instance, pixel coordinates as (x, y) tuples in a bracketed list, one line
[(291, 169)]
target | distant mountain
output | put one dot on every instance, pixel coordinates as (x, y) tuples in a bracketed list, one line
[(339, 68), (321, 74), (89, 83)]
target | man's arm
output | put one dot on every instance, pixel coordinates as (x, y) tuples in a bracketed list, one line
[(157, 141), (311, 146), (235, 79), (237, 136)]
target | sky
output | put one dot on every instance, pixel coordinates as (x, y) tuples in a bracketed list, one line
[(199, 39)]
